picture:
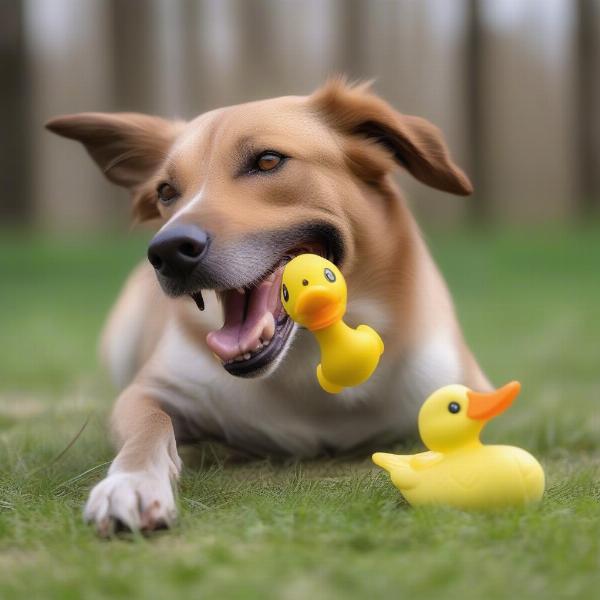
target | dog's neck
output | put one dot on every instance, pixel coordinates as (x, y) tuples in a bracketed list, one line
[(381, 281)]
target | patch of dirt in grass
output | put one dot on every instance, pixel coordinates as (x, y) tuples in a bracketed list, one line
[(17, 558), (15, 407)]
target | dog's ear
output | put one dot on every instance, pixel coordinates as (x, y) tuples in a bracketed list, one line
[(128, 147), (413, 142)]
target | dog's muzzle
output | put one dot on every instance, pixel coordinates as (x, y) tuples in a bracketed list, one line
[(246, 276)]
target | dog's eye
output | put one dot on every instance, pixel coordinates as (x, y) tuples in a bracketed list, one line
[(268, 161), (329, 275), (167, 194), (454, 407)]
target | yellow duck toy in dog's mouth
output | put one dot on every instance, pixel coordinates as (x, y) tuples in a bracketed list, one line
[(313, 293)]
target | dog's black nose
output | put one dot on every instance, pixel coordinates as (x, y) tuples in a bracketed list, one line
[(176, 251)]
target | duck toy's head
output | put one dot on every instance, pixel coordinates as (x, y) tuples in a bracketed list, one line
[(454, 415), (313, 291)]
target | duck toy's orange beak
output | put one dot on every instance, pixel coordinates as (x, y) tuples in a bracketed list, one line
[(319, 307), (487, 405)]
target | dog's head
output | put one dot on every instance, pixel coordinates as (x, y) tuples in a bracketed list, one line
[(239, 190)]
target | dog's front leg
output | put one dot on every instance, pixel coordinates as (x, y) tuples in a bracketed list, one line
[(137, 492)]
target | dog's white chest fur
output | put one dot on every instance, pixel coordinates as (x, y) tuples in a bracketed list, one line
[(288, 412)]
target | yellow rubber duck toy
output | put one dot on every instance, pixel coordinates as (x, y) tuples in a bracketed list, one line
[(459, 470), (313, 293)]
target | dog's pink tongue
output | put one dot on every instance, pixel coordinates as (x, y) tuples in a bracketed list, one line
[(225, 342), (241, 335)]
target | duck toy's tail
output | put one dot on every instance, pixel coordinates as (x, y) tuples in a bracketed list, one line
[(398, 466)]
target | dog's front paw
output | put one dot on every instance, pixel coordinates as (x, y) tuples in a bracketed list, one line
[(138, 501)]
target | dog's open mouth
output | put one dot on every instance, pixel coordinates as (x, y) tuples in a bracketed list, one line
[(256, 326)]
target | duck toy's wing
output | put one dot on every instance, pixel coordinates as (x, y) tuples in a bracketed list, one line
[(372, 333), (398, 466)]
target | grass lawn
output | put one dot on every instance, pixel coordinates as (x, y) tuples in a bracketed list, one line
[(530, 306)]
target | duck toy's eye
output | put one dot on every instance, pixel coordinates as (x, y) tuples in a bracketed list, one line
[(454, 407), (285, 293), (329, 275)]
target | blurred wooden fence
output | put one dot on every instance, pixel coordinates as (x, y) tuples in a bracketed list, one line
[(514, 84)]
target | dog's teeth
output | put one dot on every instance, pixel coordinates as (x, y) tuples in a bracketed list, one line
[(266, 342), (247, 355), (268, 328)]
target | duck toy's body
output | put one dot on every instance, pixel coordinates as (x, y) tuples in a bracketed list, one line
[(458, 470), (313, 293)]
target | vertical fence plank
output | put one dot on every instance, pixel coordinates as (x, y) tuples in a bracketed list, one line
[(216, 47), (15, 176), (440, 97), (350, 20), (475, 130), (587, 49), (70, 65), (132, 33), (528, 98)]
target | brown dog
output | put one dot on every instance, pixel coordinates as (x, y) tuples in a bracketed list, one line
[(237, 191)]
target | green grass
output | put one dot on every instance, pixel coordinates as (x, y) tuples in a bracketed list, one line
[(529, 303)]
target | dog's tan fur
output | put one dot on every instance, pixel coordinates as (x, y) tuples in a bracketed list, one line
[(344, 143)]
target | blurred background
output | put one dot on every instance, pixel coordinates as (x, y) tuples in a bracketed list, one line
[(514, 84)]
